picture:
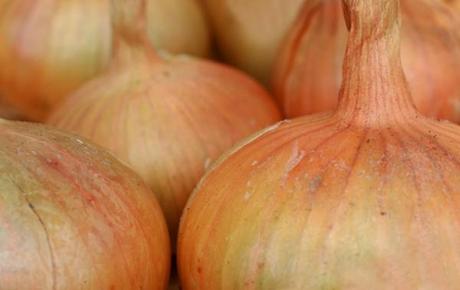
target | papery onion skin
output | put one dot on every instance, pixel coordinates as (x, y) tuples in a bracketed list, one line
[(249, 33), (178, 26), (364, 198), (307, 76), (49, 48), (7, 111), (169, 119), (73, 217), (454, 3)]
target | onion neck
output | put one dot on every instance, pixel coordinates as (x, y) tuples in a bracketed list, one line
[(129, 16), (130, 42), (126, 52), (374, 89)]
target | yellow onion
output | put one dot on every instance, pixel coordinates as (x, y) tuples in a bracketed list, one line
[(7, 111), (364, 198), (167, 116), (73, 217), (307, 75), (178, 26), (49, 47), (454, 3), (248, 33)]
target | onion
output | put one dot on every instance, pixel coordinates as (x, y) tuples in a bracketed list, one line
[(454, 3), (7, 111), (168, 117), (249, 32), (307, 75), (178, 26), (365, 198), (72, 217), (49, 47)]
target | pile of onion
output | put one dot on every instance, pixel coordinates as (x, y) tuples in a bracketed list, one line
[(307, 76), (73, 217), (49, 48), (167, 116), (364, 198), (249, 33)]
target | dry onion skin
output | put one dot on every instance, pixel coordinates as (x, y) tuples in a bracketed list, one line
[(7, 111), (455, 4), (50, 48), (168, 117), (178, 26), (307, 76), (73, 217), (364, 198), (249, 33)]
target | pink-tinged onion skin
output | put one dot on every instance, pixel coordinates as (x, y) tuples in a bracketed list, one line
[(168, 117), (73, 217), (364, 198), (307, 73), (49, 48), (249, 33)]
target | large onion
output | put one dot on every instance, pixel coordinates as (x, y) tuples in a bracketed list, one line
[(249, 32), (73, 217), (7, 111), (49, 47), (307, 77), (454, 3), (366, 198), (168, 117)]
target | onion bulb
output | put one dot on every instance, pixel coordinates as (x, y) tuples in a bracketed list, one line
[(73, 217), (454, 3), (7, 111), (178, 26), (249, 33), (364, 198), (49, 48), (307, 75), (166, 116)]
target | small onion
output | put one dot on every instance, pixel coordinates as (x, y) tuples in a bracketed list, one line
[(308, 72), (365, 198), (49, 47), (168, 117), (249, 32), (178, 26), (73, 217)]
